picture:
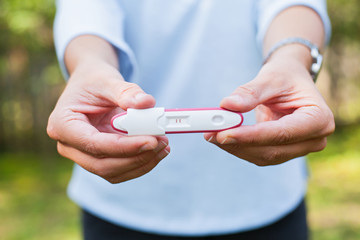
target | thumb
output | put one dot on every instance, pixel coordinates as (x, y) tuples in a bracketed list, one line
[(246, 97), (130, 95)]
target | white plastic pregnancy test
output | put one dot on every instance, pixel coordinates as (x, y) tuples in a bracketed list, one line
[(160, 121)]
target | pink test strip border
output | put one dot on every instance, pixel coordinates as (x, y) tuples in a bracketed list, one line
[(185, 109)]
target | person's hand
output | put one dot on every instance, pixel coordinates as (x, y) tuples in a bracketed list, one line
[(293, 119), (80, 123)]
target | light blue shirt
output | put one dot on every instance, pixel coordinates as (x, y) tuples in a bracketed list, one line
[(186, 53)]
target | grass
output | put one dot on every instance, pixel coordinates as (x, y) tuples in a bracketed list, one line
[(334, 192), (33, 202)]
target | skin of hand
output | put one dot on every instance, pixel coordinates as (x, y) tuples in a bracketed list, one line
[(292, 117), (80, 121)]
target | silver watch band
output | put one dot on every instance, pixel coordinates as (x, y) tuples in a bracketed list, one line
[(317, 58)]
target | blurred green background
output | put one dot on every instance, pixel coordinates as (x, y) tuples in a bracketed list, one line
[(33, 178)]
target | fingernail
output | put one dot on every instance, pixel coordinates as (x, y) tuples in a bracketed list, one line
[(212, 139), (234, 98), (145, 148), (140, 96), (229, 140), (160, 146), (162, 154)]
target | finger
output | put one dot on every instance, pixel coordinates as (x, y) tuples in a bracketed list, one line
[(264, 114), (107, 167), (272, 155), (83, 136), (142, 170), (246, 97), (116, 90), (129, 95), (113, 169), (210, 137), (305, 123)]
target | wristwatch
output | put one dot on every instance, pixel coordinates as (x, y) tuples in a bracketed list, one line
[(317, 58)]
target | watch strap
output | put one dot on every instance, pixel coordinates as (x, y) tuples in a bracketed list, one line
[(317, 58)]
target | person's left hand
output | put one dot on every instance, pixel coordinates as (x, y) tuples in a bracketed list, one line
[(293, 119)]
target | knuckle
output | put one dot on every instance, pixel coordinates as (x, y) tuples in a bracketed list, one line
[(330, 127), (145, 169), (128, 87), (272, 156), (125, 150), (61, 149), (141, 160), (90, 148), (120, 178), (93, 149), (247, 90), (321, 145), (51, 130), (101, 170), (114, 180), (250, 139), (283, 136), (260, 163), (326, 122)]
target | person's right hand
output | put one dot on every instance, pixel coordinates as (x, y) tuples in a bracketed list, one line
[(80, 123)]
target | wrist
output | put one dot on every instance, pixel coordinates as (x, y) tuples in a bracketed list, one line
[(295, 53), (301, 50), (94, 70), (89, 50), (290, 61)]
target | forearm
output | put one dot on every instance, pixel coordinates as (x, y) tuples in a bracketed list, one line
[(89, 50), (298, 21)]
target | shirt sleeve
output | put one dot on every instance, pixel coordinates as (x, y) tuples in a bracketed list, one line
[(96, 17), (269, 9)]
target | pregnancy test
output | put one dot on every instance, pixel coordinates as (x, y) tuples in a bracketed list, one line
[(161, 121)]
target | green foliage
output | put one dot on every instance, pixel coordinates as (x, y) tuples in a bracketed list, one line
[(344, 16), (334, 193), (27, 24), (342, 61), (30, 80), (33, 203)]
